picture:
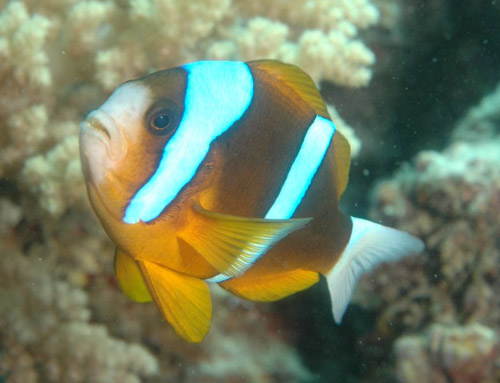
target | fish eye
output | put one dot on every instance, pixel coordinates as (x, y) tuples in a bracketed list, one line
[(161, 122)]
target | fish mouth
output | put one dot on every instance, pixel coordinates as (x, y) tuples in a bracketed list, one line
[(100, 123), (95, 124), (102, 126)]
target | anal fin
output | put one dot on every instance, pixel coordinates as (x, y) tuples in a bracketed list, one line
[(271, 287), (183, 300), (130, 278)]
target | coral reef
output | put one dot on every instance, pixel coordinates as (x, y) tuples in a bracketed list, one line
[(63, 317), (62, 58), (459, 354), (424, 81), (451, 199), (46, 333)]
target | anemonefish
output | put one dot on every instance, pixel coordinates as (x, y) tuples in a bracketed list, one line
[(230, 173)]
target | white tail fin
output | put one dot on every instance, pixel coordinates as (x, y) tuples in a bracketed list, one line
[(370, 245)]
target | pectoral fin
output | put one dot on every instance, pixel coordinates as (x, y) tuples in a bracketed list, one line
[(271, 287), (130, 278), (232, 244), (184, 301)]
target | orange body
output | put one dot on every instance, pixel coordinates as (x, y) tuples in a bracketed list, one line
[(240, 177)]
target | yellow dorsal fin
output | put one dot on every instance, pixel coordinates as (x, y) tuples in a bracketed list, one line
[(301, 83), (232, 244), (183, 300), (130, 279), (271, 287), (294, 78), (340, 159)]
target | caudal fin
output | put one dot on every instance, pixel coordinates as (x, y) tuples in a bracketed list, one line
[(370, 245)]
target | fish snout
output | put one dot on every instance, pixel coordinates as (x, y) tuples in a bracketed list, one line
[(102, 126)]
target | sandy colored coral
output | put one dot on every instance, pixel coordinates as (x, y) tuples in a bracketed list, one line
[(51, 51), (460, 354), (451, 200), (319, 36), (66, 320), (56, 178), (46, 334)]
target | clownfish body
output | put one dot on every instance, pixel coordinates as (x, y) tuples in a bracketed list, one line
[(229, 173)]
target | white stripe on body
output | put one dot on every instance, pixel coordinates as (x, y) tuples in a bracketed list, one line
[(299, 178)]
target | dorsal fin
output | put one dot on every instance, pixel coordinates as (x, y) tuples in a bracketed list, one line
[(340, 159), (296, 79), (302, 84)]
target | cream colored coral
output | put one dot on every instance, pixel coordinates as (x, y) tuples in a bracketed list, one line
[(26, 133), (91, 346), (49, 50), (448, 353), (22, 40), (10, 215), (113, 65), (53, 55), (86, 25), (317, 14), (56, 178), (322, 38), (46, 330)]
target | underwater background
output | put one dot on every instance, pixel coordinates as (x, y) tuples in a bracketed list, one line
[(414, 85)]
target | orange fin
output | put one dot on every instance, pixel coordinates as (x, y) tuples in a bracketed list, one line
[(232, 244), (183, 300), (340, 159), (130, 279), (297, 79), (271, 287)]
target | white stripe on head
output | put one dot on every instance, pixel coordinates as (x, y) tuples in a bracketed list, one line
[(217, 95), (127, 106)]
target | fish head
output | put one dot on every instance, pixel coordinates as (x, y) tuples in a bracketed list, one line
[(122, 142)]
